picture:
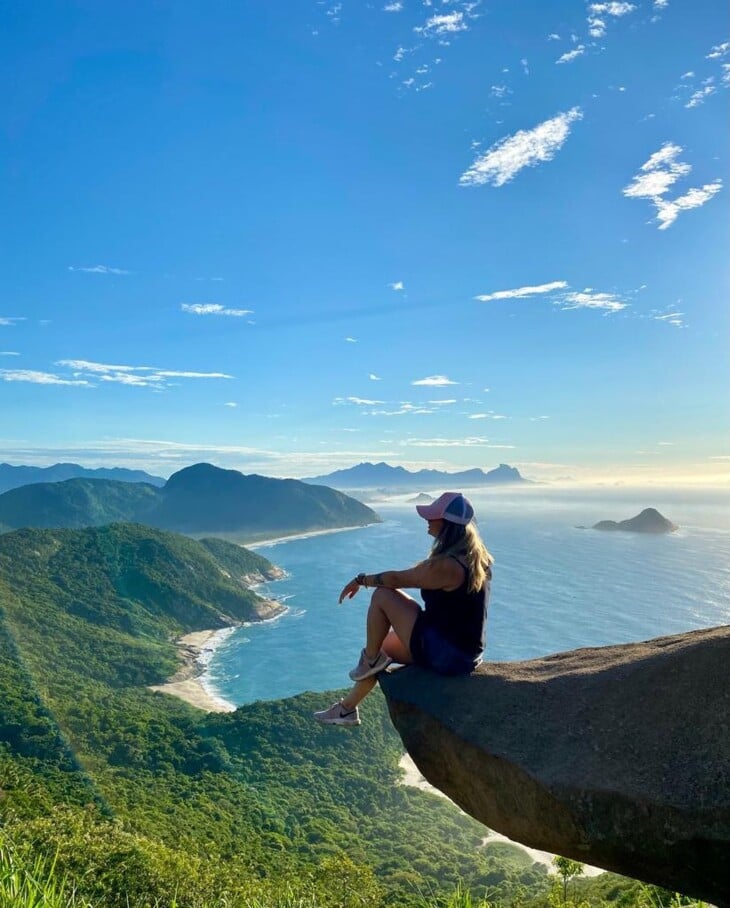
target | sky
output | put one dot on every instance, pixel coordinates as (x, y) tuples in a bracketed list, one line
[(286, 238)]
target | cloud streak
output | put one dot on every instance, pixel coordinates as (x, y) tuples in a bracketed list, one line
[(526, 148), (133, 376), (214, 309), (99, 269), (434, 381), (521, 292), (34, 377)]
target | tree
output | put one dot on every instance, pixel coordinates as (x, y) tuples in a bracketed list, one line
[(567, 870)]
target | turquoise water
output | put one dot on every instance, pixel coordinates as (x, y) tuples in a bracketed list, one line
[(555, 587)]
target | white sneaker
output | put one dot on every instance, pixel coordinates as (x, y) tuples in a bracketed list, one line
[(337, 714), (365, 668)]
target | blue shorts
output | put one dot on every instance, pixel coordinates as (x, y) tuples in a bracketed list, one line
[(431, 650)]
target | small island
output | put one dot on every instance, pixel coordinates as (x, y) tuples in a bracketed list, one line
[(648, 521), (421, 498)]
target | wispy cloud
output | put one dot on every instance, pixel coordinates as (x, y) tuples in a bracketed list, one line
[(661, 4), (671, 317), (11, 320), (658, 175), (521, 292), (592, 299), (230, 403), (9, 353), (719, 50), (597, 12), (525, 148), (397, 285), (214, 309), (443, 24), (571, 55), (469, 442), (698, 97), (99, 269), (435, 381), (394, 7), (585, 299), (358, 401), (374, 377), (38, 378), (351, 340), (134, 376)]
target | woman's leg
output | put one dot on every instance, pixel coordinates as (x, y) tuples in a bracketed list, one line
[(388, 609)]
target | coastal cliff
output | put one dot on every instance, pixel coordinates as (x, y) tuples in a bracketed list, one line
[(618, 756)]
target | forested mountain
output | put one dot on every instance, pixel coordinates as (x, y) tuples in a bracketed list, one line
[(132, 798), (384, 476), (12, 477), (216, 801), (196, 500)]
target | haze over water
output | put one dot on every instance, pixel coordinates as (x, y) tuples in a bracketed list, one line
[(555, 587)]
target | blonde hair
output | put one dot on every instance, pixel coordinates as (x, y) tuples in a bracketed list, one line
[(456, 540)]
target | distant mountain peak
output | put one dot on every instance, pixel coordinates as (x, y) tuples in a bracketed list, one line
[(384, 475)]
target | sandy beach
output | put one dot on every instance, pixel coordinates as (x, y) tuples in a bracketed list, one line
[(264, 543), (187, 682)]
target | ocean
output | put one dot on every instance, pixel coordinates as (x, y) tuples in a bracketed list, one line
[(555, 587)]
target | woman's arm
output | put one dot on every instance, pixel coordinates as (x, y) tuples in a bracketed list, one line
[(432, 574)]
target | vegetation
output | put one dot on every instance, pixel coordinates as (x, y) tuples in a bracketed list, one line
[(198, 500), (113, 795)]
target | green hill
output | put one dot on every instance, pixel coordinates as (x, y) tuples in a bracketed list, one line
[(198, 500), (184, 803)]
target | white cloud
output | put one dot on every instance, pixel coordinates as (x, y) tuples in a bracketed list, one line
[(553, 37), (359, 401), (443, 24), (351, 340), (698, 97), (571, 55), (397, 285), (230, 403), (443, 403), (100, 269), (37, 378), (394, 7), (435, 381), (521, 292), (725, 78), (525, 148), (471, 442), (719, 50), (591, 299), (661, 4), (597, 25), (499, 91), (658, 175), (8, 353), (133, 376), (688, 75), (214, 309), (8, 320), (374, 377), (487, 416)]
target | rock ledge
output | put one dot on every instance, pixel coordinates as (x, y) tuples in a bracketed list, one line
[(618, 756)]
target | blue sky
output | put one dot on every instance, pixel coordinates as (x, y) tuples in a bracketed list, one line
[(286, 238)]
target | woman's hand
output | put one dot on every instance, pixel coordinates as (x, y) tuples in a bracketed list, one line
[(350, 590)]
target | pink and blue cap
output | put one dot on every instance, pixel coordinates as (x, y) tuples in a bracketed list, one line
[(450, 506)]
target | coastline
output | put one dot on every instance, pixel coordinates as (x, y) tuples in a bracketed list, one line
[(265, 543), (188, 683)]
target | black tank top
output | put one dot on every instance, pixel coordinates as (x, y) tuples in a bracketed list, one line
[(460, 616)]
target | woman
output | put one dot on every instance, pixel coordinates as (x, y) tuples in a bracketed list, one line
[(447, 635)]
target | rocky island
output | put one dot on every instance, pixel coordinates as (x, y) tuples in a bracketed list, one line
[(648, 521)]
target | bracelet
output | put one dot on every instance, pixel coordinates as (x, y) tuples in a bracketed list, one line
[(360, 579)]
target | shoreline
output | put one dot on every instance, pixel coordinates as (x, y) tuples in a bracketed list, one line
[(265, 543), (189, 681)]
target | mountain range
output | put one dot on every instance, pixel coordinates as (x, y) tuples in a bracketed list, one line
[(384, 476), (12, 477), (201, 499)]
